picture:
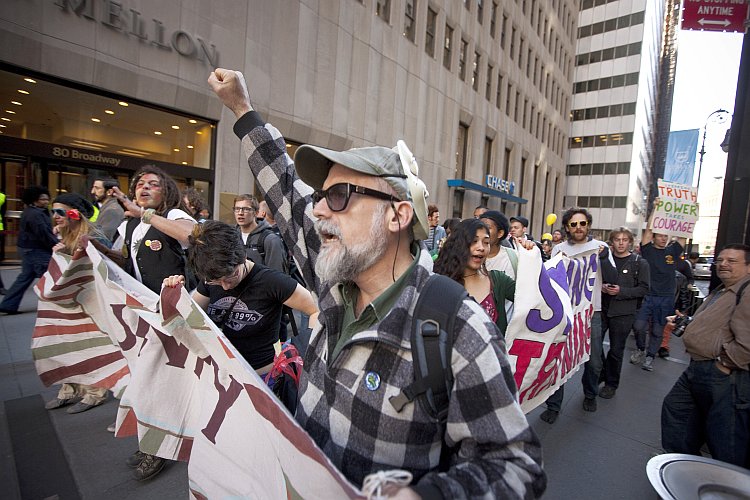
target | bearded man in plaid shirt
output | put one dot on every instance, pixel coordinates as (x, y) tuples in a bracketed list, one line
[(354, 240)]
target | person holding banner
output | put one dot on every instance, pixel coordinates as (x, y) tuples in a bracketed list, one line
[(150, 246), (577, 223), (354, 220), (71, 213), (659, 303), (241, 297)]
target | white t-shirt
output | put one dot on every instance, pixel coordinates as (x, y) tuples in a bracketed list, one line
[(501, 262), (140, 231)]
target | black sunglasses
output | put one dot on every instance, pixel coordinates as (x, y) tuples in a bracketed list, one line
[(60, 212), (337, 196)]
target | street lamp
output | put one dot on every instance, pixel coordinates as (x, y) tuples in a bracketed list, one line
[(703, 143)]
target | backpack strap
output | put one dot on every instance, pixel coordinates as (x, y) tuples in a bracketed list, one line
[(739, 293), (259, 245), (432, 345)]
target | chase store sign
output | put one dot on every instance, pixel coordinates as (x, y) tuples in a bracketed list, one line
[(500, 184), (130, 23)]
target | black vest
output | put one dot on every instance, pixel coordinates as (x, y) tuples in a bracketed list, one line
[(158, 256)]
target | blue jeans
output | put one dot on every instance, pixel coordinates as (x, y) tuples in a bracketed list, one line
[(591, 369), (650, 321), (34, 263), (706, 405)]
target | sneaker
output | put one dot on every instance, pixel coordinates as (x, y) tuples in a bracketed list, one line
[(648, 365), (637, 357), (663, 352), (607, 392), (149, 467), (549, 416), (59, 403), (135, 459), (112, 427), (589, 404)]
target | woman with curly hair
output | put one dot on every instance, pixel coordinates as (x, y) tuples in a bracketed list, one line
[(462, 259), (71, 213), (153, 237)]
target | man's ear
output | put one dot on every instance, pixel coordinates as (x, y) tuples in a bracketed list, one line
[(401, 216)]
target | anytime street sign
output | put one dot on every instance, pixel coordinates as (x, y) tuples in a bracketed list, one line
[(714, 15)]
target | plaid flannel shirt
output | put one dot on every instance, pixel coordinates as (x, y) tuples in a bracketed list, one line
[(497, 454)]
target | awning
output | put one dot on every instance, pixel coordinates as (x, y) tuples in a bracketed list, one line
[(461, 183)]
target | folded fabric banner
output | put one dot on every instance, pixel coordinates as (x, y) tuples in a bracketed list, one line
[(191, 396), (549, 336), (67, 344)]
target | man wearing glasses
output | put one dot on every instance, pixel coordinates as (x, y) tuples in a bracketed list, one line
[(262, 244), (577, 223), (354, 220)]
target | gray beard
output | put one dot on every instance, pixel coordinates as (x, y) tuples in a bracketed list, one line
[(338, 262)]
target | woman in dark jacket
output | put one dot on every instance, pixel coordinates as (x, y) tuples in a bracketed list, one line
[(35, 242)]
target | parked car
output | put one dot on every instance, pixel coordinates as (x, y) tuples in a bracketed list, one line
[(703, 267)]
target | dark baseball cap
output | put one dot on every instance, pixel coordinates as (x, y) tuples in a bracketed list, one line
[(520, 218)]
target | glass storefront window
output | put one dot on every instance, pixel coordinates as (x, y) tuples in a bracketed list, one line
[(34, 109)]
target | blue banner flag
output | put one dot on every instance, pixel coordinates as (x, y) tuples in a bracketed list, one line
[(681, 150)]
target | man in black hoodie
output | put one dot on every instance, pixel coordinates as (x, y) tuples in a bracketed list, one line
[(35, 242)]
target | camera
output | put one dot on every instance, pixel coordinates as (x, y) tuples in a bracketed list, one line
[(680, 323)]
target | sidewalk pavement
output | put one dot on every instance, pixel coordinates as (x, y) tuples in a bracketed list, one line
[(51, 454)]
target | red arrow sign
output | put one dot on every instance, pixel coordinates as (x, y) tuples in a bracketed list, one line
[(714, 15)]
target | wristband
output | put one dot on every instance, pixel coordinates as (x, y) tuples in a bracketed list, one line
[(147, 214)]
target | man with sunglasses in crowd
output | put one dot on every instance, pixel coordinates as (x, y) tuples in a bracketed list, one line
[(577, 224), (662, 257), (356, 239)]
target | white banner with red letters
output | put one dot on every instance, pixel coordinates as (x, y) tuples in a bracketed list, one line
[(549, 335), (189, 395)]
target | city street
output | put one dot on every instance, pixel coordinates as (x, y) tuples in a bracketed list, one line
[(51, 454)]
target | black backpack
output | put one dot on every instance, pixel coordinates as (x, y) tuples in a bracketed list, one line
[(432, 336), (259, 248), (432, 344)]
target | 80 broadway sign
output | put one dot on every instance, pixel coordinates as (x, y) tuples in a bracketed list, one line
[(714, 15)]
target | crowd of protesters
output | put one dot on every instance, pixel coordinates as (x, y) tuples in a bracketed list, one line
[(372, 246)]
